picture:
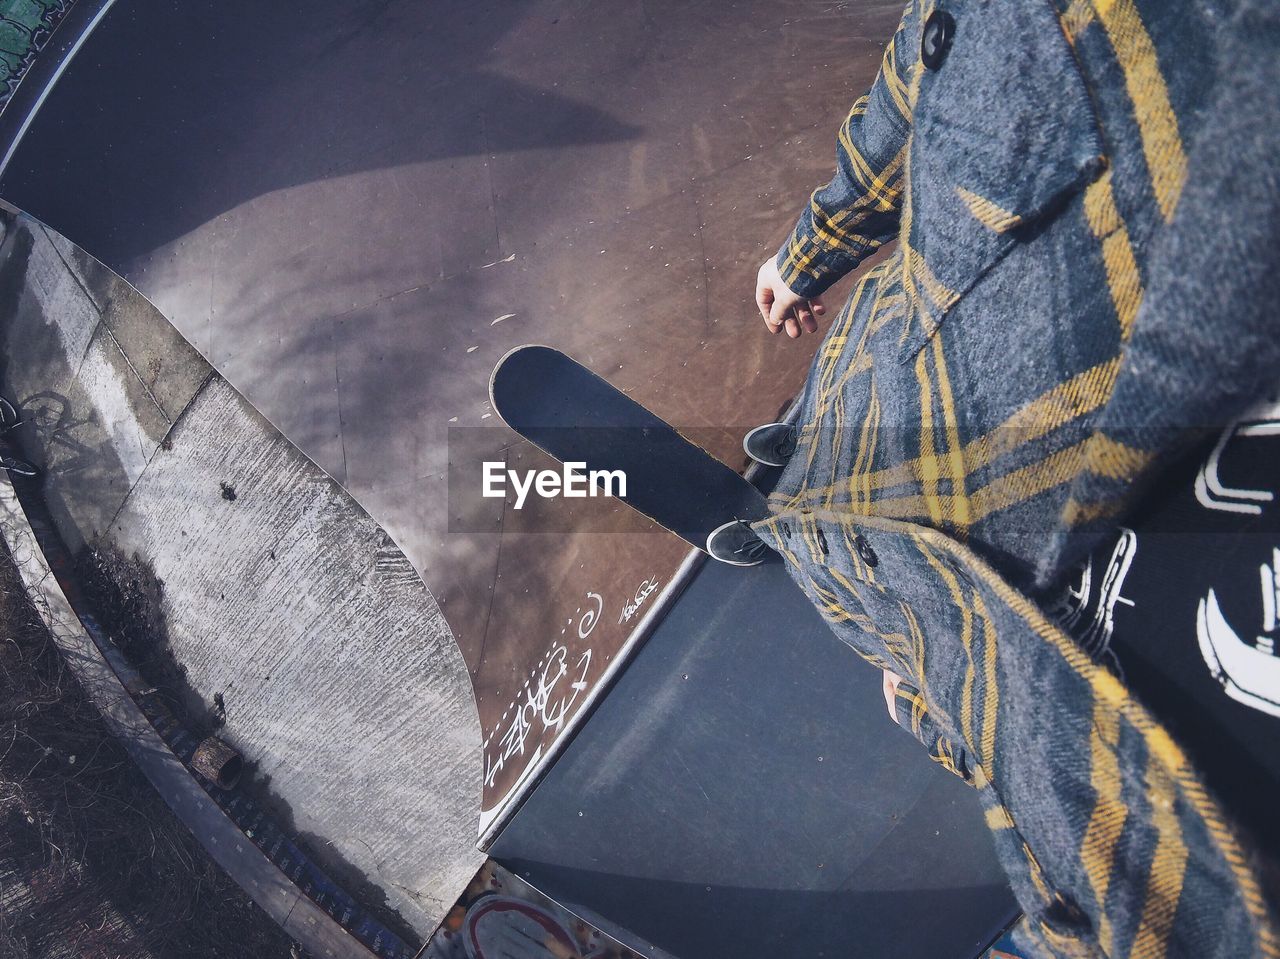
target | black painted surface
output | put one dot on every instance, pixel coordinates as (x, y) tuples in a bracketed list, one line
[(741, 792), (570, 413)]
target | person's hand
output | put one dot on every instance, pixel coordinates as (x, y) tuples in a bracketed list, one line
[(891, 681), (780, 307)]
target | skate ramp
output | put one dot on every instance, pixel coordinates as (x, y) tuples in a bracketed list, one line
[(742, 792), (354, 209)]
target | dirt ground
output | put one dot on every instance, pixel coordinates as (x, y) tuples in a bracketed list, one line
[(92, 863)]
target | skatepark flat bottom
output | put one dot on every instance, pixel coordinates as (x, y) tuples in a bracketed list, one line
[(741, 792)]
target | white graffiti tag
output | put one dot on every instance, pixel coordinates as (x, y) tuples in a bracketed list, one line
[(544, 706), (591, 617), (643, 592), (547, 699)]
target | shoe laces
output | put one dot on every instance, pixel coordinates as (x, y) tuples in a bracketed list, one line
[(788, 445), (753, 548)]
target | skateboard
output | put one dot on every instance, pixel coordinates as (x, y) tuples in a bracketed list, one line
[(575, 416)]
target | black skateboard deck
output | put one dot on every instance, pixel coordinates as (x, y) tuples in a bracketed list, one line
[(572, 414)]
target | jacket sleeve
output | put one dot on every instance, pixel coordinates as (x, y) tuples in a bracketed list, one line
[(913, 715), (857, 212)]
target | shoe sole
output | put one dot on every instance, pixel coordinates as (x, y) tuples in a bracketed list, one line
[(721, 559), (747, 449)]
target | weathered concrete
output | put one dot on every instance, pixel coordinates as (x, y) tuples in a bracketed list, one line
[(340, 679), (265, 884)]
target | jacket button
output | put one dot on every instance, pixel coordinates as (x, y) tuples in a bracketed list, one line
[(865, 551), (936, 40)]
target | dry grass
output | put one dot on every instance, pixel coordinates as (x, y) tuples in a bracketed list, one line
[(92, 863)]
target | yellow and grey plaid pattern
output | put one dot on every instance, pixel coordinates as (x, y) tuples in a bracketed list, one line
[(959, 418), (857, 211), (1112, 843), (913, 713)]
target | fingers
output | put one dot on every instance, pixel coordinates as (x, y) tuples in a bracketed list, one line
[(781, 309), (808, 311), (779, 313), (804, 313), (890, 689), (765, 296), (800, 319), (764, 301)]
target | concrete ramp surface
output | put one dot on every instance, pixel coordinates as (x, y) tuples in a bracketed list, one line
[(295, 619)]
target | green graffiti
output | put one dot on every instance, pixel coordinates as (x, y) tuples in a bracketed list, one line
[(25, 26)]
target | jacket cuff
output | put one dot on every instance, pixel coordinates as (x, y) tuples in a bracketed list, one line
[(808, 266)]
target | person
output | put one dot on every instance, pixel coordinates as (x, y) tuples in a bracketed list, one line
[(1085, 213)]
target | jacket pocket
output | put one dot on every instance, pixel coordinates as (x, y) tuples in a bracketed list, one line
[(1003, 135)]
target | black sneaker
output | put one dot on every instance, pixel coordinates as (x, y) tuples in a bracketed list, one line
[(737, 544), (771, 444)]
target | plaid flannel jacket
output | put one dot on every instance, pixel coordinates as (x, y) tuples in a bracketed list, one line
[(1084, 199)]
